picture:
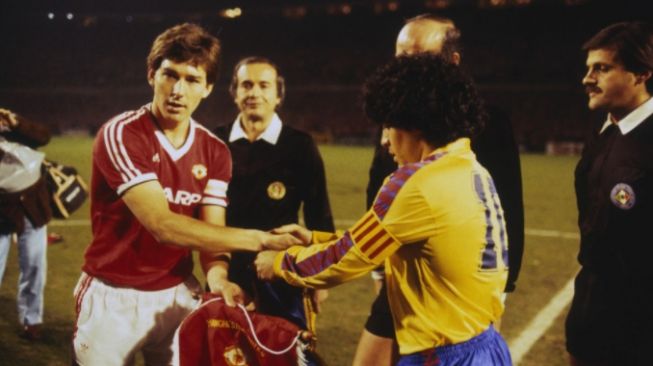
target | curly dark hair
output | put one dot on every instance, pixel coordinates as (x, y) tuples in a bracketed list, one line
[(425, 93)]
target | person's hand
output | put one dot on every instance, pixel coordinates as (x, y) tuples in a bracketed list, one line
[(317, 297), (264, 263), (297, 231), (8, 120), (280, 241), (231, 293)]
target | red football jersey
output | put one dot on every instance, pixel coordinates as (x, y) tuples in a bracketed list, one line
[(130, 149)]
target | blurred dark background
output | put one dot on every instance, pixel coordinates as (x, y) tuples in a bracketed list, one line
[(74, 64)]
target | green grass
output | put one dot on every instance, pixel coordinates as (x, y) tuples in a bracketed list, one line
[(64, 261), (548, 262)]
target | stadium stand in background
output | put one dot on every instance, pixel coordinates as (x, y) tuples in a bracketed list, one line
[(74, 66)]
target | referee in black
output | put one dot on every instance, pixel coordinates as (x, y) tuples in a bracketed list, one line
[(276, 169), (609, 321)]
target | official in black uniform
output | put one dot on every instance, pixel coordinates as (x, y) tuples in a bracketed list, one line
[(496, 150), (609, 322), (276, 169)]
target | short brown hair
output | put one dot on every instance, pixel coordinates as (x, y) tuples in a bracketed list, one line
[(186, 43), (632, 43)]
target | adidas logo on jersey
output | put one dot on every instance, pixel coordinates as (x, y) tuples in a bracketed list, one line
[(181, 197)]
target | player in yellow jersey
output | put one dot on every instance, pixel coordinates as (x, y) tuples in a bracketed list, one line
[(437, 222)]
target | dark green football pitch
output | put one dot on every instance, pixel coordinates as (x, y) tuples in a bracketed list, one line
[(532, 323)]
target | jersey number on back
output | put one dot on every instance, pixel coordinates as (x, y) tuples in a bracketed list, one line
[(487, 194)]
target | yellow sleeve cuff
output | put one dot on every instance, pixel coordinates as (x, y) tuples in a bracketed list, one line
[(323, 237), (277, 264)]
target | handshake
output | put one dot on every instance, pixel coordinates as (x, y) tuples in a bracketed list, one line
[(280, 238), (274, 241)]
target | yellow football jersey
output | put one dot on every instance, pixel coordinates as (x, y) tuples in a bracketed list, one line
[(438, 226)]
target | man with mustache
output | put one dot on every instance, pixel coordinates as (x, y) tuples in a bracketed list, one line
[(276, 170), (158, 191), (609, 322)]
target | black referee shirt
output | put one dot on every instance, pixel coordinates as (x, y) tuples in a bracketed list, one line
[(270, 182), (609, 318)]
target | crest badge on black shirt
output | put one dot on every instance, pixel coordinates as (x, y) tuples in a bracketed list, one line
[(276, 190), (623, 196)]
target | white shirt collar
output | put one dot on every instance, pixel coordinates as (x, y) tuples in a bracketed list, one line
[(633, 119), (173, 152), (271, 133)]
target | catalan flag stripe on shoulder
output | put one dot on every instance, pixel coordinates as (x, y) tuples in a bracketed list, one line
[(371, 237)]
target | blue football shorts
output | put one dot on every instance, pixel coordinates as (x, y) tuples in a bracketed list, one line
[(486, 349)]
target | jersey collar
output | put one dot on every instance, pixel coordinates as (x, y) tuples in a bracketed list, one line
[(459, 146), (173, 152), (271, 134), (633, 119)]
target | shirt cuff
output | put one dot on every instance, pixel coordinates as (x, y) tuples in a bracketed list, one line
[(323, 237)]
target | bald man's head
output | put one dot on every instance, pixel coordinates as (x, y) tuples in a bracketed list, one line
[(426, 34)]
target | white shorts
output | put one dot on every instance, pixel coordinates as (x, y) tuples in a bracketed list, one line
[(114, 323)]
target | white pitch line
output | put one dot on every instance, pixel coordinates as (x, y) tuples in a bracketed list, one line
[(551, 233), (528, 231), (347, 223), (69, 222), (523, 343)]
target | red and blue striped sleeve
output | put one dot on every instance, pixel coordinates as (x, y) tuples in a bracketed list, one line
[(359, 250)]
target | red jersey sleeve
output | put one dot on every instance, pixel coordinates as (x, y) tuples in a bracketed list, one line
[(122, 151), (219, 172)]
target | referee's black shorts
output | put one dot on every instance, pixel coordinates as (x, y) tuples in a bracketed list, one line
[(380, 322)]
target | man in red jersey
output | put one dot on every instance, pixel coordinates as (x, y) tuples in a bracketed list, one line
[(158, 190)]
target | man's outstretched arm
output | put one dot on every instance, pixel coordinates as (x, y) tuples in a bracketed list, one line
[(148, 203)]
